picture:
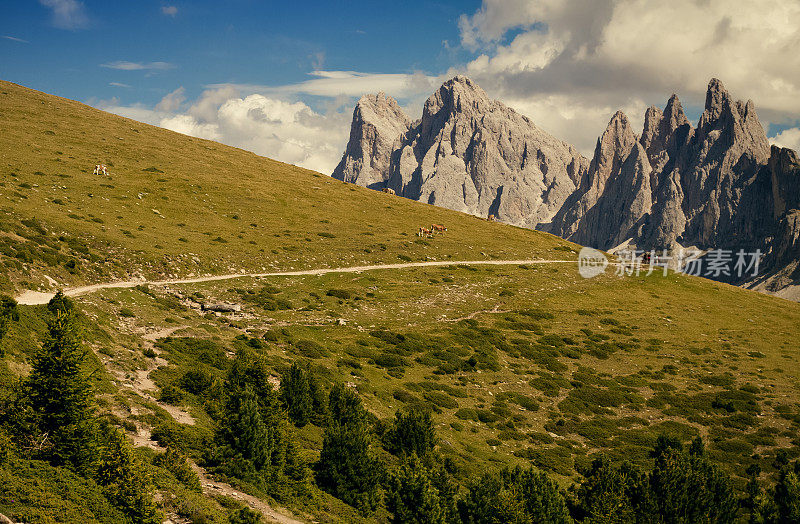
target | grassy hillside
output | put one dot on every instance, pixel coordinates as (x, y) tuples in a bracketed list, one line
[(177, 205), (526, 364)]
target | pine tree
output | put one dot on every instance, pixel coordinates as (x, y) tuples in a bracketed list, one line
[(243, 432), (602, 496), (319, 401), (296, 395), (787, 495), (252, 436), (344, 406), (348, 467), (411, 433), (441, 475), (540, 496), (8, 314), (178, 464), (411, 496), (125, 481), (488, 501), (60, 393), (687, 488)]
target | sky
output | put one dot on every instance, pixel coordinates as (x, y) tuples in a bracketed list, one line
[(281, 78)]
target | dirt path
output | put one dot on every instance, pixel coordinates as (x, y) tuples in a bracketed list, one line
[(33, 298), (214, 487), (143, 385)]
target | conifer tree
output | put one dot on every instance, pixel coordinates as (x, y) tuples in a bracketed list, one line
[(488, 501), (787, 495), (540, 496), (125, 481), (411, 433), (252, 436), (319, 401), (244, 434), (296, 395), (411, 496), (687, 488), (348, 467), (8, 314), (60, 393), (604, 494)]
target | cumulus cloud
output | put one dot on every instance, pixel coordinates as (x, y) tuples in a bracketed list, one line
[(289, 131), (788, 138), (139, 112), (172, 101), (67, 14), (169, 10), (590, 57), (124, 65)]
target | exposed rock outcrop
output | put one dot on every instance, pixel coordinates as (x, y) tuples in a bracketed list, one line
[(472, 154), (781, 265), (377, 122), (714, 186), (698, 180)]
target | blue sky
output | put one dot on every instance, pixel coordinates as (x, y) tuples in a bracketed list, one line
[(247, 42), (281, 78)]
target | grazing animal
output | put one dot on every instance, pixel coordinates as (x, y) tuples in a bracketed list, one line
[(491, 218), (388, 190), (100, 169), (425, 232), (438, 228)]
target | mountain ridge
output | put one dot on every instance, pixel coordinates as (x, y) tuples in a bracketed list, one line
[(471, 154), (672, 186)]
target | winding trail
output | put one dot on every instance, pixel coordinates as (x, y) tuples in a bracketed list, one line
[(34, 298), (143, 385)]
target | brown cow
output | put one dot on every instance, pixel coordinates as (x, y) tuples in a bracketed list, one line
[(388, 190), (438, 228), (425, 232)]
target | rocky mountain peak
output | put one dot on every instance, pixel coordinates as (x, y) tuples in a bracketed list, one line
[(377, 122), (718, 100), (618, 134), (467, 152), (457, 95), (659, 126), (735, 123), (612, 148), (673, 113), (380, 109)]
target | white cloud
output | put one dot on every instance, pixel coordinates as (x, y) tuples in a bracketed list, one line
[(348, 83), (172, 102), (138, 112), (124, 65), (118, 84), (15, 39), (187, 125), (495, 17), (67, 14), (288, 131), (169, 10), (788, 138), (589, 56)]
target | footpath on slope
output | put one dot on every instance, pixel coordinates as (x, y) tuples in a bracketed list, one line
[(143, 386), (35, 298)]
